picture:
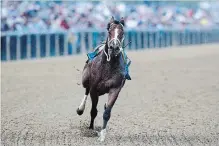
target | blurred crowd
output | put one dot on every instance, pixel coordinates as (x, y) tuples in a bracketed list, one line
[(35, 16)]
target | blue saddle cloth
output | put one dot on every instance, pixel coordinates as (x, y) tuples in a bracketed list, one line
[(92, 55)]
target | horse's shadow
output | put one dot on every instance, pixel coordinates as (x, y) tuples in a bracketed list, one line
[(86, 132)]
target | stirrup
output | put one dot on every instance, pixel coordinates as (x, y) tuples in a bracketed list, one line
[(127, 76)]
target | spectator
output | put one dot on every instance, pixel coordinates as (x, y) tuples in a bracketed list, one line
[(41, 16)]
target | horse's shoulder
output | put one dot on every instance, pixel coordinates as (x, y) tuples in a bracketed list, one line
[(114, 80)]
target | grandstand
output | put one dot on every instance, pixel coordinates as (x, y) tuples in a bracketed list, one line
[(37, 15)]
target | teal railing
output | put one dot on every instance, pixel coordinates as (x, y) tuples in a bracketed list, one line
[(16, 46)]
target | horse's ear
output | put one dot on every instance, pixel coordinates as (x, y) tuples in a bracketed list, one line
[(111, 20), (122, 21)]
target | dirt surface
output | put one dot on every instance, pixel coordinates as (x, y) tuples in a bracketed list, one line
[(172, 99)]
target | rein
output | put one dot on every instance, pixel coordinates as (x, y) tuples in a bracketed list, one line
[(107, 56)]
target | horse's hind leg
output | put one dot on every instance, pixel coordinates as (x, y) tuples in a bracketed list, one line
[(81, 108), (93, 112), (113, 94)]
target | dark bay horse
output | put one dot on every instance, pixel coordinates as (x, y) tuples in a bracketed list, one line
[(105, 74)]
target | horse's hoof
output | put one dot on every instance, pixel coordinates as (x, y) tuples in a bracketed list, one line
[(102, 135), (98, 133), (91, 127), (80, 112)]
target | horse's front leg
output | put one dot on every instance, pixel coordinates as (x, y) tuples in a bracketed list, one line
[(80, 109), (85, 82), (113, 94)]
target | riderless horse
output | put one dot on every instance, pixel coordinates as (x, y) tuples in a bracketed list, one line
[(105, 72)]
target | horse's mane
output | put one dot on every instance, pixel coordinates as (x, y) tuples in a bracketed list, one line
[(115, 22)]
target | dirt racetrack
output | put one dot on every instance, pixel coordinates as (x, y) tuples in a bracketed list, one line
[(172, 99)]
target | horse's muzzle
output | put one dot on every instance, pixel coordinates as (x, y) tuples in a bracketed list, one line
[(113, 51)]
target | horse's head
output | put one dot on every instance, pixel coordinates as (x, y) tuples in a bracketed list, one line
[(115, 37)]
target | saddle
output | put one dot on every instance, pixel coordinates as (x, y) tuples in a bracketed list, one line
[(92, 55)]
